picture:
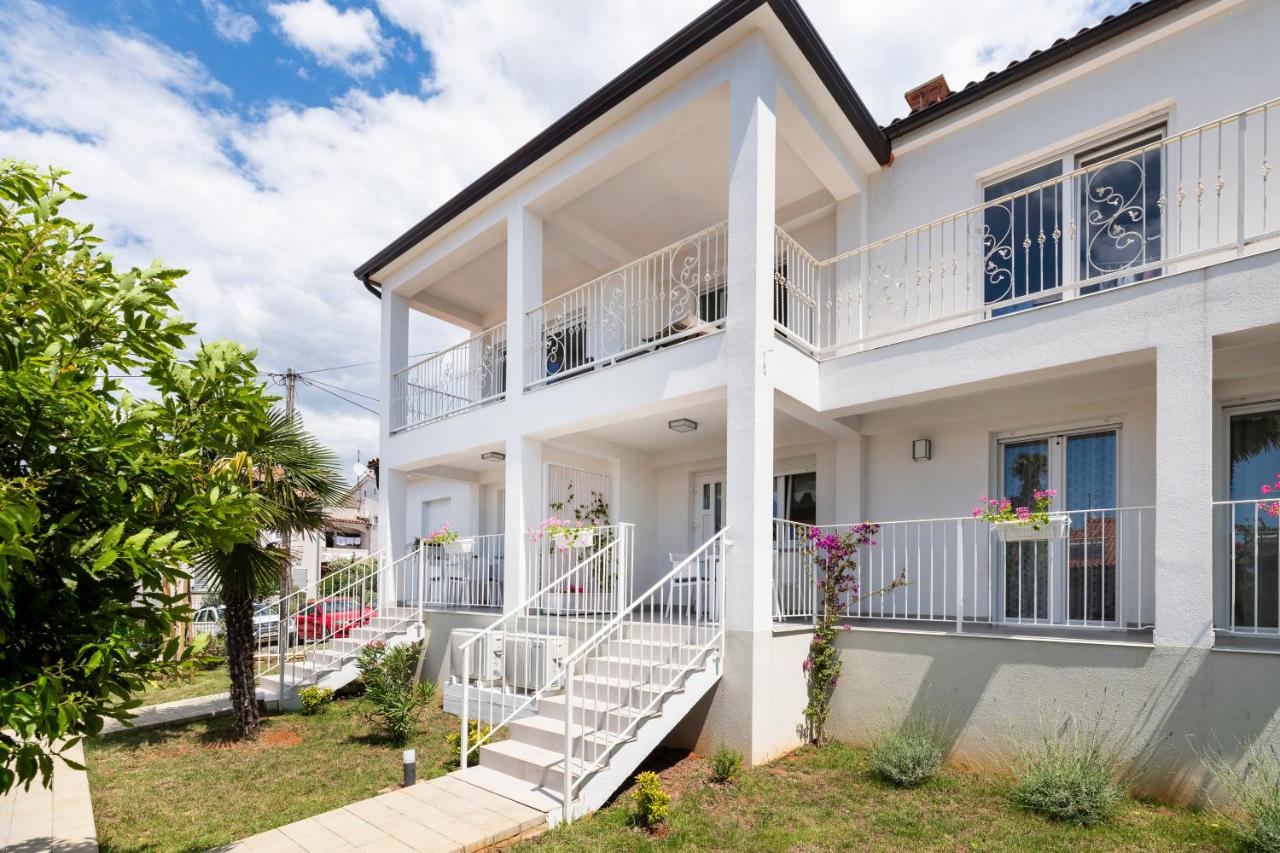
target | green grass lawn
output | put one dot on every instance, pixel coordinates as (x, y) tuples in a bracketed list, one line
[(828, 800), (189, 787), (199, 684)]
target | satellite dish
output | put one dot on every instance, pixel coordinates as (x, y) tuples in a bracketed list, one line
[(359, 468)]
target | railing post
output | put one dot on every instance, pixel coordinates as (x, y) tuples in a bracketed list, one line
[(1240, 180), (466, 701), (568, 742), (959, 577), (282, 638), (422, 579)]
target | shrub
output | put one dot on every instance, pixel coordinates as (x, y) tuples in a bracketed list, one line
[(315, 700), (908, 757), (726, 764), (390, 680), (475, 732), (1256, 793), (1073, 777), (651, 802), (209, 651)]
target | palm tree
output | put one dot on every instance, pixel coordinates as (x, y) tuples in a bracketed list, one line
[(294, 477)]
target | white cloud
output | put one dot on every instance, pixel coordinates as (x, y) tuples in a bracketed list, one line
[(348, 39), (272, 209), (228, 23)]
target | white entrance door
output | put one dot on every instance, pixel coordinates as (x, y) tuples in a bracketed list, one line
[(708, 507)]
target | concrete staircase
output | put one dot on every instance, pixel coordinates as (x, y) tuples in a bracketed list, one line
[(331, 663), (626, 696)]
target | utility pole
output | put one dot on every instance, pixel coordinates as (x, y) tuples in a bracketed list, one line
[(286, 579)]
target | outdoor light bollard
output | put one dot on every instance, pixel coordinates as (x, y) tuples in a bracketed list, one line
[(410, 767)]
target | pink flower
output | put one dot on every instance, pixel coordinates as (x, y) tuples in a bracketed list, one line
[(806, 665)]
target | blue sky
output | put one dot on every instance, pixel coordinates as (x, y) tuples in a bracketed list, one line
[(270, 146)]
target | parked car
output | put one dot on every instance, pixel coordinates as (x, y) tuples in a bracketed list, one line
[(210, 620), (266, 622), (331, 617)]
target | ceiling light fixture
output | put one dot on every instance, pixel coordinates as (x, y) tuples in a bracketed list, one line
[(493, 456), (682, 425)]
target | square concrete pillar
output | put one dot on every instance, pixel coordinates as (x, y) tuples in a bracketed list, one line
[(1184, 487), (523, 510), (393, 356), (524, 291)]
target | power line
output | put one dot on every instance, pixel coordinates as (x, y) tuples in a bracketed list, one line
[(331, 386), (339, 396)]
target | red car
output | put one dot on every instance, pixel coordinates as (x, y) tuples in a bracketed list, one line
[(332, 618)]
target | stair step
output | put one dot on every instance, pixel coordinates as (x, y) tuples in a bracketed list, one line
[(668, 632), (651, 650), (616, 667), (543, 767), (518, 790), (612, 716), (607, 688), (548, 733)]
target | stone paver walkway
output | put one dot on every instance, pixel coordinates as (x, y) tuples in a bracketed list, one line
[(442, 815), (58, 819), (181, 711)]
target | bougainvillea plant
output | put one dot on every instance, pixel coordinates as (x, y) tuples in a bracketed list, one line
[(1003, 510), (833, 560), (1272, 508)]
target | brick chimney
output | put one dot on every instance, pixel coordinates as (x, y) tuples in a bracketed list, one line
[(928, 94)]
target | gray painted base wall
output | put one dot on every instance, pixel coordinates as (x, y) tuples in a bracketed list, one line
[(992, 696)]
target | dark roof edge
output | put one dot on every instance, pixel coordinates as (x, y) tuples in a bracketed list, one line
[(697, 33), (1133, 17)]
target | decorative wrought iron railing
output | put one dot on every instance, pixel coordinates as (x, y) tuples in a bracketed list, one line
[(451, 381), (1164, 205), (675, 293), (1086, 569)]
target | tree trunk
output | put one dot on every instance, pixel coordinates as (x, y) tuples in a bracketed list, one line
[(241, 645)]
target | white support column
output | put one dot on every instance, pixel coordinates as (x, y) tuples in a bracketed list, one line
[(524, 291), (1184, 483), (523, 510), (393, 521), (850, 455), (394, 355), (749, 341)]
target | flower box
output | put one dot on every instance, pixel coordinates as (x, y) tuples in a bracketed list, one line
[(1023, 531), (583, 538), (459, 546)]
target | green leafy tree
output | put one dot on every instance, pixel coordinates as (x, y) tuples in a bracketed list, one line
[(102, 499)]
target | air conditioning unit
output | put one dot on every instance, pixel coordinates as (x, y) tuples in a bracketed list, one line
[(486, 655), (532, 662)]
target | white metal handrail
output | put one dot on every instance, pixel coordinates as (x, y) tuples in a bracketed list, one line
[(1088, 569), (1247, 554), (454, 380), (560, 611), (677, 292), (1162, 207), (683, 610), (286, 646)]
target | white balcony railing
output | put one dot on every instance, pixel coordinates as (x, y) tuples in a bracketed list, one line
[(467, 578), (1096, 570), (1247, 553), (1172, 204), (674, 293), (451, 381)]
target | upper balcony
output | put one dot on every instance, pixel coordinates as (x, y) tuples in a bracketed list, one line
[(1134, 208)]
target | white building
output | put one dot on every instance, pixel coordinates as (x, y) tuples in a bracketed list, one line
[(719, 294), (350, 532)]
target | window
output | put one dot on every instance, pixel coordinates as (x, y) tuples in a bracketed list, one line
[(1254, 559), (1071, 581), (1111, 229), (1119, 210), (795, 497), (566, 340)]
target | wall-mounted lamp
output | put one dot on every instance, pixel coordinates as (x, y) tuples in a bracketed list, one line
[(493, 456), (921, 450), (682, 425)]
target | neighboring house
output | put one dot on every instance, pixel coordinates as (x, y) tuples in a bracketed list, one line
[(725, 297), (350, 531)]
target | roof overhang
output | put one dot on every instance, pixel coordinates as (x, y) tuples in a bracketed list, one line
[(683, 44)]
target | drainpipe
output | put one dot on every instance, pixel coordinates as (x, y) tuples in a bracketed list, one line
[(368, 285)]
